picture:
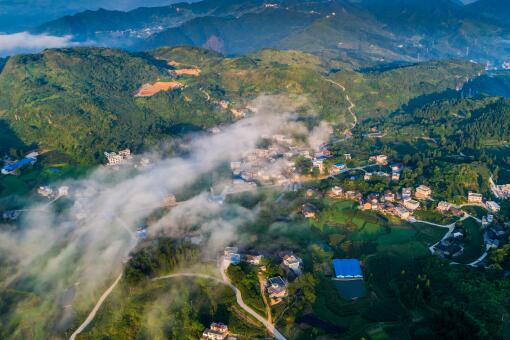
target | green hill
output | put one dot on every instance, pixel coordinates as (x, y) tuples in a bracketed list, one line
[(80, 101)]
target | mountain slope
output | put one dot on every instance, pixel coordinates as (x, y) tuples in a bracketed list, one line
[(245, 34), (360, 32), (143, 20), (81, 101), (492, 10)]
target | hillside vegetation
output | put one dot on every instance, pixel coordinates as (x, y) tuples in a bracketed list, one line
[(81, 101)]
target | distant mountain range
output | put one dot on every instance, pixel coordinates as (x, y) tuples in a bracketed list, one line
[(17, 15), (360, 32)]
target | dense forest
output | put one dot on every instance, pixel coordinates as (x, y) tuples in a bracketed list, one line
[(458, 302), (80, 101)]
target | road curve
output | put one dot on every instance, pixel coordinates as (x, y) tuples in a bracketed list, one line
[(271, 328), (92, 313)]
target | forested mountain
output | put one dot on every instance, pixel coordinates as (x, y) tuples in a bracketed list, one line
[(81, 100), (230, 35), (362, 33), (492, 10), (85, 24)]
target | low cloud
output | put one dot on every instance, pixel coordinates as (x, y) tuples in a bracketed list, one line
[(25, 42), (83, 246)]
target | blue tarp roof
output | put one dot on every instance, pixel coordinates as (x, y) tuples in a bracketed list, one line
[(347, 268), (13, 166)]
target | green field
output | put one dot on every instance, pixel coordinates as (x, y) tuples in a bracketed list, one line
[(50, 168), (434, 217), (474, 245), (476, 211), (375, 232)]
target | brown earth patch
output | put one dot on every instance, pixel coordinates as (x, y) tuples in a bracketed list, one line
[(188, 72), (148, 90)]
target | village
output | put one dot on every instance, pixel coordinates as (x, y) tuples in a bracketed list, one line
[(289, 165), (406, 203)]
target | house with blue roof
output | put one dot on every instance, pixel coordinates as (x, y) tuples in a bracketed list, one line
[(337, 168), (12, 167), (347, 269)]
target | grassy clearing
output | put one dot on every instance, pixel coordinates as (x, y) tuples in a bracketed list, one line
[(50, 168), (477, 212), (474, 245), (169, 309), (434, 217)]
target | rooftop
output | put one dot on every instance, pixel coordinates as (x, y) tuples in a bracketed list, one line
[(347, 268)]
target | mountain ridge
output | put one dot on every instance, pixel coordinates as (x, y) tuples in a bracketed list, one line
[(369, 32)]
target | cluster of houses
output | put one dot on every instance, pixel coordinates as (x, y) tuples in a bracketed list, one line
[(231, 256), (118, 158), (451, 246), (50, 193), (495, 234), (123, 157), (501, 191), (379, 159), (396, 169), (274, 164), (401, 204), (217, 331), (276, 287), (445, 207)]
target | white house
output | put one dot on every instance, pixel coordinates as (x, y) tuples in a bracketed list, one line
[(292, 262), (492, 206)]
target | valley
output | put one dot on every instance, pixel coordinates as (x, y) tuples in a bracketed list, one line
[(248, 169)]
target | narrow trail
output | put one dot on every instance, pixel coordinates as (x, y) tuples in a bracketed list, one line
[(94, 310), (268, 307), (351, 104)]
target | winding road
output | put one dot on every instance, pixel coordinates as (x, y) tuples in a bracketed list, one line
[(450, 228), (351, 104), (270, 327), (225, 281)]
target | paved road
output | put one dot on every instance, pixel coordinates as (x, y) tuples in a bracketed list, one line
[(270, 327), (450, 228), (225, 281), (92, 314), (239, 298)]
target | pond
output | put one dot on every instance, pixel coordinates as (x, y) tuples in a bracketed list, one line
[(350, 289)]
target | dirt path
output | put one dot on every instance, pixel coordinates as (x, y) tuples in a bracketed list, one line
[(262, 282), (239, 298), (94, 310), (224, 281), (351, 104)]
